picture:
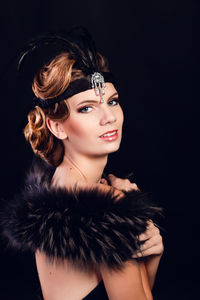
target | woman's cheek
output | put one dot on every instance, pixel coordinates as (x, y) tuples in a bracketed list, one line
[(73, 127), (121, 116)]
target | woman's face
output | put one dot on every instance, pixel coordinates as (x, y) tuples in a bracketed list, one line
[(93, 128)]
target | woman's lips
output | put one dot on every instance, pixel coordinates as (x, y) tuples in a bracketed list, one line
[(109, 135)]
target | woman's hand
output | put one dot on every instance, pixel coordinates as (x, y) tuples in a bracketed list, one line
[(151, 237), (153, 244), (120, 184), (152, 249)]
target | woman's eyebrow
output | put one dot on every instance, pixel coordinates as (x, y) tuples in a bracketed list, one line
[(115, 94), (96, 101), (88, 101)]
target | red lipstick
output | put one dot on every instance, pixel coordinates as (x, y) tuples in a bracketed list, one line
[(109, 135)]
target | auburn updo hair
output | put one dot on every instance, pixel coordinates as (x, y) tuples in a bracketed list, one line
[(49, 82)]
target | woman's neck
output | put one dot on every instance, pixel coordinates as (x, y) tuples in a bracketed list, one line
[(84, 169)]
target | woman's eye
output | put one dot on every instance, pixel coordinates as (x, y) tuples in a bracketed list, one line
[(113, 102), (85, 109)]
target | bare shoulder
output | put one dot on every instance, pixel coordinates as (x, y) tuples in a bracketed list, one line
[(59, 278), (62, 179)]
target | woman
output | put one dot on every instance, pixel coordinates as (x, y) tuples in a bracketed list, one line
[(93, 237)]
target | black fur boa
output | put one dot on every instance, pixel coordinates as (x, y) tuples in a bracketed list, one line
[(86, 226)]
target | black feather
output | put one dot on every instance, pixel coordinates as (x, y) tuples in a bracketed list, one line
[(40, 50), (86, 226)]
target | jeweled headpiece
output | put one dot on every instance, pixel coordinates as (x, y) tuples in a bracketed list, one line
[(80, 46), (98, 83)]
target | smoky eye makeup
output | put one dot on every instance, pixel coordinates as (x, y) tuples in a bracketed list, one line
[(84, 109), (87, 106), (113, 101)]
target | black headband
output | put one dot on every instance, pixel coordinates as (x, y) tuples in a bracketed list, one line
[(75, 87)]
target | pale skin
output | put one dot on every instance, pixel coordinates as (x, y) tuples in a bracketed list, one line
[(86, 154)]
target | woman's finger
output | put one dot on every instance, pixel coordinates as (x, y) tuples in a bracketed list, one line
[(103, 181), (134, 187), (150, 247), (151, 230), (122, 184), (154, 241), (112, 178), (143, 236), (156, 250)]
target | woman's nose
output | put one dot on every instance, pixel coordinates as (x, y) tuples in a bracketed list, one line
[(108, 116)]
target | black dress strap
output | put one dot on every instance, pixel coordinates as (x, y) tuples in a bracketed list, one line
[(98, 293)]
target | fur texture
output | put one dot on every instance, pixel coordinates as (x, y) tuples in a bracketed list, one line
[(86, 226)]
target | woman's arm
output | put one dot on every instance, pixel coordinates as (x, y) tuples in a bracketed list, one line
[(145, 281), (151, 265), (152, 250), (130, 283)]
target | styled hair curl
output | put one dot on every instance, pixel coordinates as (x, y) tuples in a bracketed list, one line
[(49, 82)]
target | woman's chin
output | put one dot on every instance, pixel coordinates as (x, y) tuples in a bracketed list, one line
[(112, 148), (102, 150)]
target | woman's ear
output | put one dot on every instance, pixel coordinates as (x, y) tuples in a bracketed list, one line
[(56, 129)]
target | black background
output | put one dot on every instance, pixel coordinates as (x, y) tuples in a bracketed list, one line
[(153, 49)]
